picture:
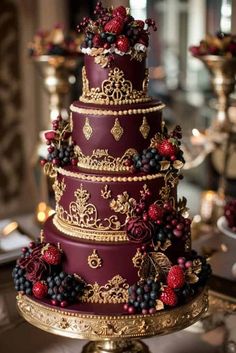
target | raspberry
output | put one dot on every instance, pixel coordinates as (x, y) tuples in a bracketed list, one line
[(175, 277), (123, 44), (114, 26), (168, 297), (40, 290), (166, 148), (155, 212), (51, 255), (97, 41), (119, 11)]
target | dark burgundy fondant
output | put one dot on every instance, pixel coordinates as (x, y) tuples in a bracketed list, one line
[(102, 138), (134, 70)]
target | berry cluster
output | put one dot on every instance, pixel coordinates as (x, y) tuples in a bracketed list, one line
[(55, 42), (115, 28), (230, 214), (221, 44), (166, 147), (60, 150), (39, 272), (142, 297)]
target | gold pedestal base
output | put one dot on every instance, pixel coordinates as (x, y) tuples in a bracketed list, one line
[(116, 347)]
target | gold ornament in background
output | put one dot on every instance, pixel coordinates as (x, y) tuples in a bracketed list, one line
[(117, 130), (106, 192), (137, 259), (144, 128), (114, 292), (87, 129), (115, 90), (94, 261)]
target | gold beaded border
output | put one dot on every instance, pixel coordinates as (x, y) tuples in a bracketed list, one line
[(116, 112), (89, 234), (105, 179), (100, 327)]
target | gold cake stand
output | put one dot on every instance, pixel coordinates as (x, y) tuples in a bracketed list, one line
[(111, 333)]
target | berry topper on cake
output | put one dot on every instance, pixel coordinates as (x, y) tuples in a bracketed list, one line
[(115, 31)]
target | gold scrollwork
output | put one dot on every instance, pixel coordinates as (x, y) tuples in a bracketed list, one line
[(137, 259), (87, 129), (115, 90), (144, 128), (117, 130), (102, 161), (94, 260), (114, 292), (106, 192), (59, 188)]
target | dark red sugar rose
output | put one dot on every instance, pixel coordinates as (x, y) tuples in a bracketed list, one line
[(36, 270), (139, 231)]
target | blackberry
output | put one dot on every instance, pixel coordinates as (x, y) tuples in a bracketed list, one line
[(20, 282), (64, 288), (142, 297), (62, 155), (148, 161)]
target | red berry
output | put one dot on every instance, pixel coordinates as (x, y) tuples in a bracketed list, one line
[(97, 41), (64, 304), (131, 310), (51, 255), (54, 302), (119, 11), (114, 26), (167, 149), (138, 23), (74, 161), (123, 44), (40, 290), (106, 45), (175, 277), (126, 307), (168, 297), (43, 162), (155, 212)]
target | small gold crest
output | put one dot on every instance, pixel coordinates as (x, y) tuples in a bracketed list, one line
[(117, 130), (94, 261), (144, 128), (87, 129)]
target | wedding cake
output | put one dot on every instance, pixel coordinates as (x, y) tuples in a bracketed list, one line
[(119, 241)]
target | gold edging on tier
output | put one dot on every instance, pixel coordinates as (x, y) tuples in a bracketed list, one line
[(100, 327), (105, 179), (115, 90), (89, 234), (90, 111)]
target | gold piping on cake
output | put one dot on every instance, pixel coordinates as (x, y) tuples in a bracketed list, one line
[(100, 112), (115, 90), (144, 128), (87, 129), (113, 292)]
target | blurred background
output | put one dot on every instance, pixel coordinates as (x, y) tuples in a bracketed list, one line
[(179, 80)]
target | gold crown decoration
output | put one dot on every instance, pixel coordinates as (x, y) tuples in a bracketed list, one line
[(87, 129), (113, 292), (117, 130), (94, 260), (144, 128), (115, 90), (102, 161)]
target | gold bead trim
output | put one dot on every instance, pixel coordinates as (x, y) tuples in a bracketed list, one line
[(97, 327), (115, 90), (94, 260), (91, 234), (109, 179), (116, 112)]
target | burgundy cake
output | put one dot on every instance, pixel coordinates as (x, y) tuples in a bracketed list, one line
[(119, 234)]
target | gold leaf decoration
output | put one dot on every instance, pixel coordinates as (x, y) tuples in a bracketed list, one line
[(178, 164), (159, 305), (156, 140), (117, 130), (123, 204), (163, 246), (50, 170), (154, 265), (87, 129), (164, 165), (144, 128), (106, 192)]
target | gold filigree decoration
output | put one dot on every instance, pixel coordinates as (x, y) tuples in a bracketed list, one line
[(50, 170), (154, 265), (87, 129), (94, 260), (123, 204), (99, 57), (84, 214), (115, 90), (171, 180), (100, 112), (191, 274), (144, 128), (138, 55), (106, 192), (114, 292), (163, 246), (137, 259), (102, 161), (98, 327), (117, 130), (59, 188)]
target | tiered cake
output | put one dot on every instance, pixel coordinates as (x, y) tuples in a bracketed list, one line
[(118, 236)]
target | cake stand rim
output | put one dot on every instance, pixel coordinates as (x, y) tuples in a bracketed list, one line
[(111, 327)]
